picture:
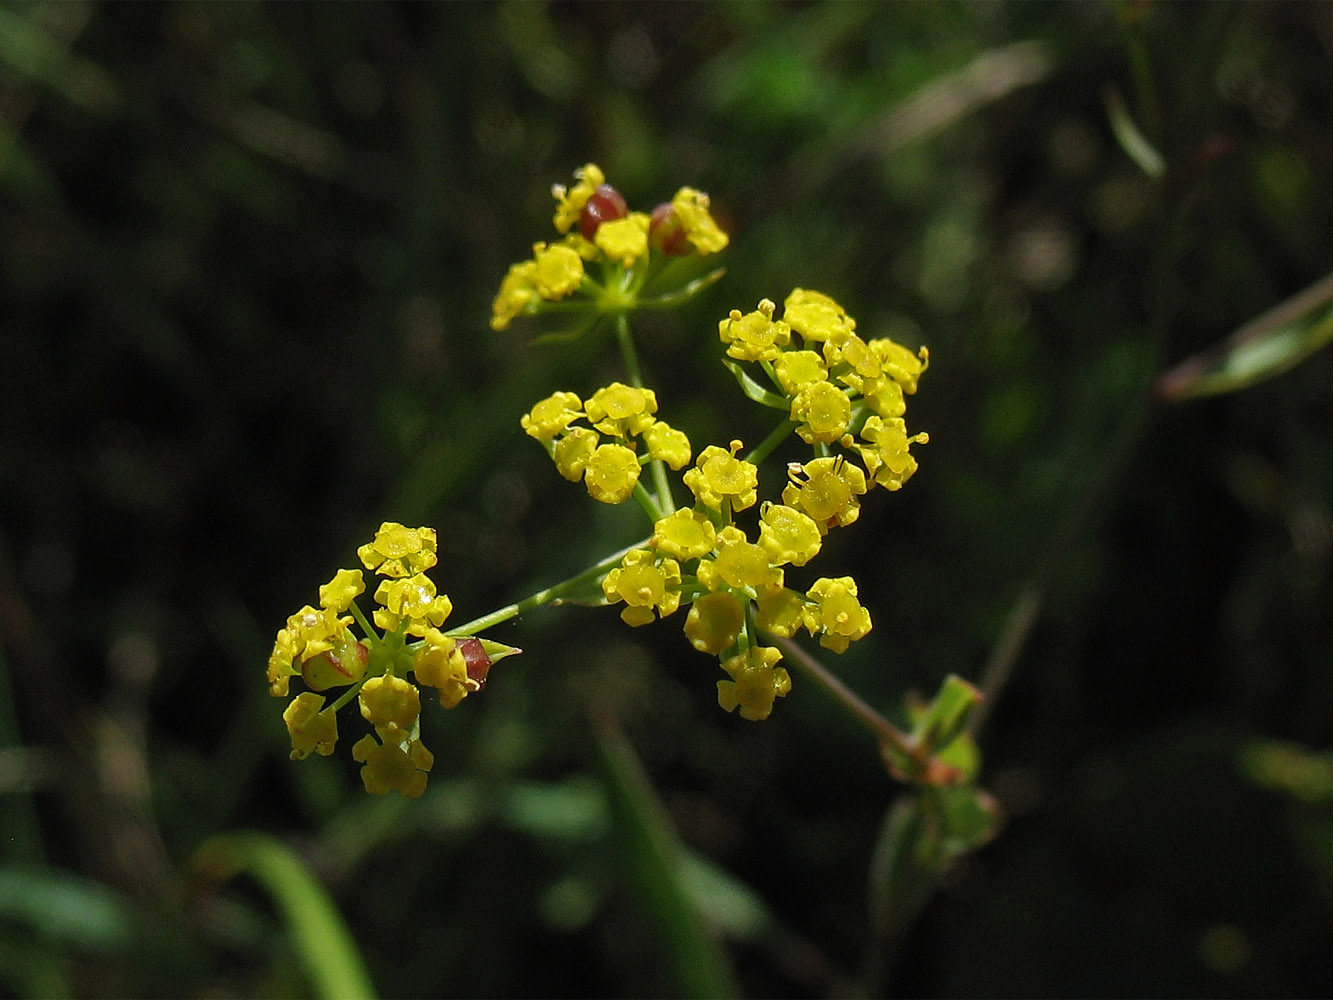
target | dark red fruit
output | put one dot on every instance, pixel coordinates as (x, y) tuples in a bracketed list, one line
[(605, 205), (665, 232)]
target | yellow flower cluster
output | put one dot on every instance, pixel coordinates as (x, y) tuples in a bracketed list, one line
[(617, 413), (598, 229), (839, 389), (844, 396), (322, 647), (734, 584)]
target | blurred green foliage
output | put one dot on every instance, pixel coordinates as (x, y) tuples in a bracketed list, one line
[(246, 257)]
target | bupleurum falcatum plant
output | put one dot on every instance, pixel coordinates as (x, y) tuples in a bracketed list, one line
[(719, 562)]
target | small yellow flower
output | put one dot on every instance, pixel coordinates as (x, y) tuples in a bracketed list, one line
[(739, 563), (755, 683), (440, 664), (414, 600), (685, 534), (558, 271), (552, 416), (391, 767), (399, 551), (624, 240), (392, 705), (720, 477), (612, 473), (644, 585), (338, 594), (666, 444), (886, 453), (692, 208), (787, 535), (781, 611), (516, 296), (309, 633), (815, 316), (754, 336), (714, 622), (570, 201), (883, 395), (796, 369), (823, 412), (900, 364), (281, 663), (835, 613), (827, 490), (573, 451), (621, 410), (851, 352), (311, 728)]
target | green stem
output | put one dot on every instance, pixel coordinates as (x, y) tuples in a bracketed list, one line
[(550, 595), (628, 352), (361, 620), (765, 447), (647, 503), (663, 502)]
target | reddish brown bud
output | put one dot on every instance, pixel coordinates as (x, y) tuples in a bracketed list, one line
[(478, 663), (605, 205), (665, 232)]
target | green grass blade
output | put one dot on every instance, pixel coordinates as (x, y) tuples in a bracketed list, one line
[(653, 854), (324, 944)]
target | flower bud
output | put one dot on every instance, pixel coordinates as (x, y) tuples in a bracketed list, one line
[(666, 232), (478, 663), (604, 205), (344, 664)]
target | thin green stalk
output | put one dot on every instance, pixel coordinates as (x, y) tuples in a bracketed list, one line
[(647, 503), (549, 595), (664, 502), (628, 352), (775, 437)]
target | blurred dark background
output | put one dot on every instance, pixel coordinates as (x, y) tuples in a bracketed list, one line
[(248, 253)]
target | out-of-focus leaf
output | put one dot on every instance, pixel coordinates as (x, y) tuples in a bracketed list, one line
[(573, 810), (904, 869), (63, 907), (730, 903), (971, 820), (923, 834), (1289, 767), (653, 855), (1131, 139), (1265, 347), (324, 944), (46, 59), (947, 714)]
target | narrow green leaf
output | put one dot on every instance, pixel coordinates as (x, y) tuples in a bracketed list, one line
[(753, 390), (1268, 345), (321, 938), (673, 300), (653, 855)]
